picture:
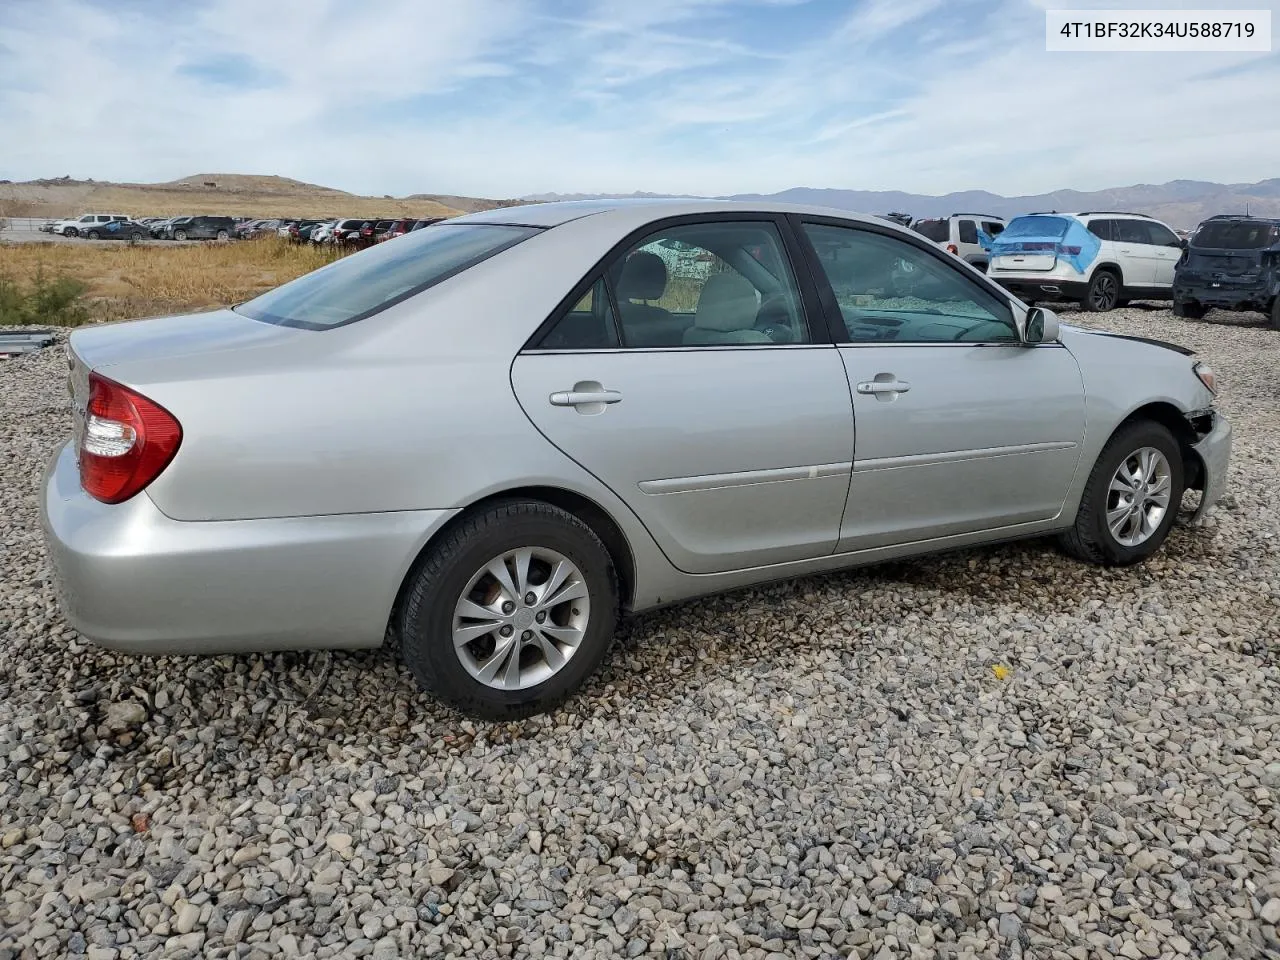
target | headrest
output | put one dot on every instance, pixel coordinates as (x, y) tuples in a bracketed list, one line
[(644, 277), (727, 302)]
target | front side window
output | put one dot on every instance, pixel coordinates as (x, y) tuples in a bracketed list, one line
[(1162, 236), (993, 228), (889, 290), (365, 283), (723, 283)]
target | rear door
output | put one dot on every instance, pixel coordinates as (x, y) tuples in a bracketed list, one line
[(960, 426), (690, 378)]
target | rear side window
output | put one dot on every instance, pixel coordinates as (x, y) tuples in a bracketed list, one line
[(1103, 229), (993, 228), (368, 282), (968, 231), (1132, 231), (1236, 235), (935, 230)]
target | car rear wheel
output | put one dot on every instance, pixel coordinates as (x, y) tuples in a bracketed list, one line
[(510, 612), (71, 232), (1132, 497), (1188, 310), (1103, 292), (223, 235)]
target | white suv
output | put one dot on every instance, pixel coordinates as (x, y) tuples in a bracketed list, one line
[(1101, 259), (82, 224), (962, 234)]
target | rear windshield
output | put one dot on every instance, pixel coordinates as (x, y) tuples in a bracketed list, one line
[(365, 283), (1236, 235), (1035, 226), (935, 230)]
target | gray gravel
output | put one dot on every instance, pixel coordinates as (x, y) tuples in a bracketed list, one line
[(829, 767)]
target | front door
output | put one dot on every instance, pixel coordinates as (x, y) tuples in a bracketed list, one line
[(1166, 251), (686, 379), (960, 427)]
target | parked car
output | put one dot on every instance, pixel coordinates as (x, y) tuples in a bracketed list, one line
[(157, 228), (118, 230), (623, 446), (300, 232), (323, 232), (353, 232), (419, 224), (1100, 259), (82, 224), (398, 228), (967, 235), (200, 228), (1231, 263)]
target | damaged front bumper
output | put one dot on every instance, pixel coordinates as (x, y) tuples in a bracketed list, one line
[(1213, 451)]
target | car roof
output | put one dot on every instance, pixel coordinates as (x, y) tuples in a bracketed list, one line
[(641, 210)]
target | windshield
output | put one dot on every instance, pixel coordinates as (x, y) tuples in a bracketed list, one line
[(1035, 226), (1236, 235), (365, 283)]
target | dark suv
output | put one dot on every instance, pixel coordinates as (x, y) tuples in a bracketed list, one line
[(201, 228), (1231, 263)]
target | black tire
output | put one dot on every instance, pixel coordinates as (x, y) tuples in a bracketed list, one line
[(1103, 292), (1188, 310), (135, 237), (179, 234), (223, 235), (1090, 539), (434, 588), (94, 235), (71, 232), (1275, 314)]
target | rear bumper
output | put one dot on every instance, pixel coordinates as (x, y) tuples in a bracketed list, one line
[(1041, 288), (1214, 452), (1227, 296), (132, 579)]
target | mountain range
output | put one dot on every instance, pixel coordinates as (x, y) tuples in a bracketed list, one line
[(1180, 203)]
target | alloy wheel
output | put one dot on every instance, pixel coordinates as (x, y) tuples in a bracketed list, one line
[(521, 617), (1138, 497), (1103, 292)]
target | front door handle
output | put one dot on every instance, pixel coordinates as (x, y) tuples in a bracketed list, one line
[(884, 386), (573, 398)]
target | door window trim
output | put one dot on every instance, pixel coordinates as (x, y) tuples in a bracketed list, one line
[(831, 308), (812, 314)]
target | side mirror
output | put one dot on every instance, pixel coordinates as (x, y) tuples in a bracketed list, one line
[(1041, 326)]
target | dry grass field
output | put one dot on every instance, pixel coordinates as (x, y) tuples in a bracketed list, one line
[(121, 281), (230, 194)]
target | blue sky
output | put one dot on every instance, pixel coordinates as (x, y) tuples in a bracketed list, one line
[(510, 97)]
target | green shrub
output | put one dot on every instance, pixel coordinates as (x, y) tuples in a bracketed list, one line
[(44, 301)]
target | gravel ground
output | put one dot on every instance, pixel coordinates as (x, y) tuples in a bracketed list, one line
[(828, 767)]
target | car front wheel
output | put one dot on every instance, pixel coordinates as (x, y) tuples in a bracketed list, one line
[(94, 235), (179, 234), (223, 235), (1103, 292), (1131, 499), (510, 612)]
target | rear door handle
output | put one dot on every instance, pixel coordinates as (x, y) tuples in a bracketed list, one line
[(884, 386), (574, 398)]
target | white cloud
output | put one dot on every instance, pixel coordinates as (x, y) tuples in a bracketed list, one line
[(503, 97)]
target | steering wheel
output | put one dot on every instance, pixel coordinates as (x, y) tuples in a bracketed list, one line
[(773, 319)]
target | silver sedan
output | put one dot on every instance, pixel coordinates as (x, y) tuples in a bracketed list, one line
[(490, 437)]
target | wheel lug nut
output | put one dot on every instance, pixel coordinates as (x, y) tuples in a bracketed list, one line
[(508, 607), (506, 631), (527, 635), (530, 598), (542, 616)]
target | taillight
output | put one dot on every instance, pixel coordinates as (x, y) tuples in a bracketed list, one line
[(1065, 251), (128, 441)]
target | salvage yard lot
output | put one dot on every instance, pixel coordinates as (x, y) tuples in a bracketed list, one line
[(827, 767)]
